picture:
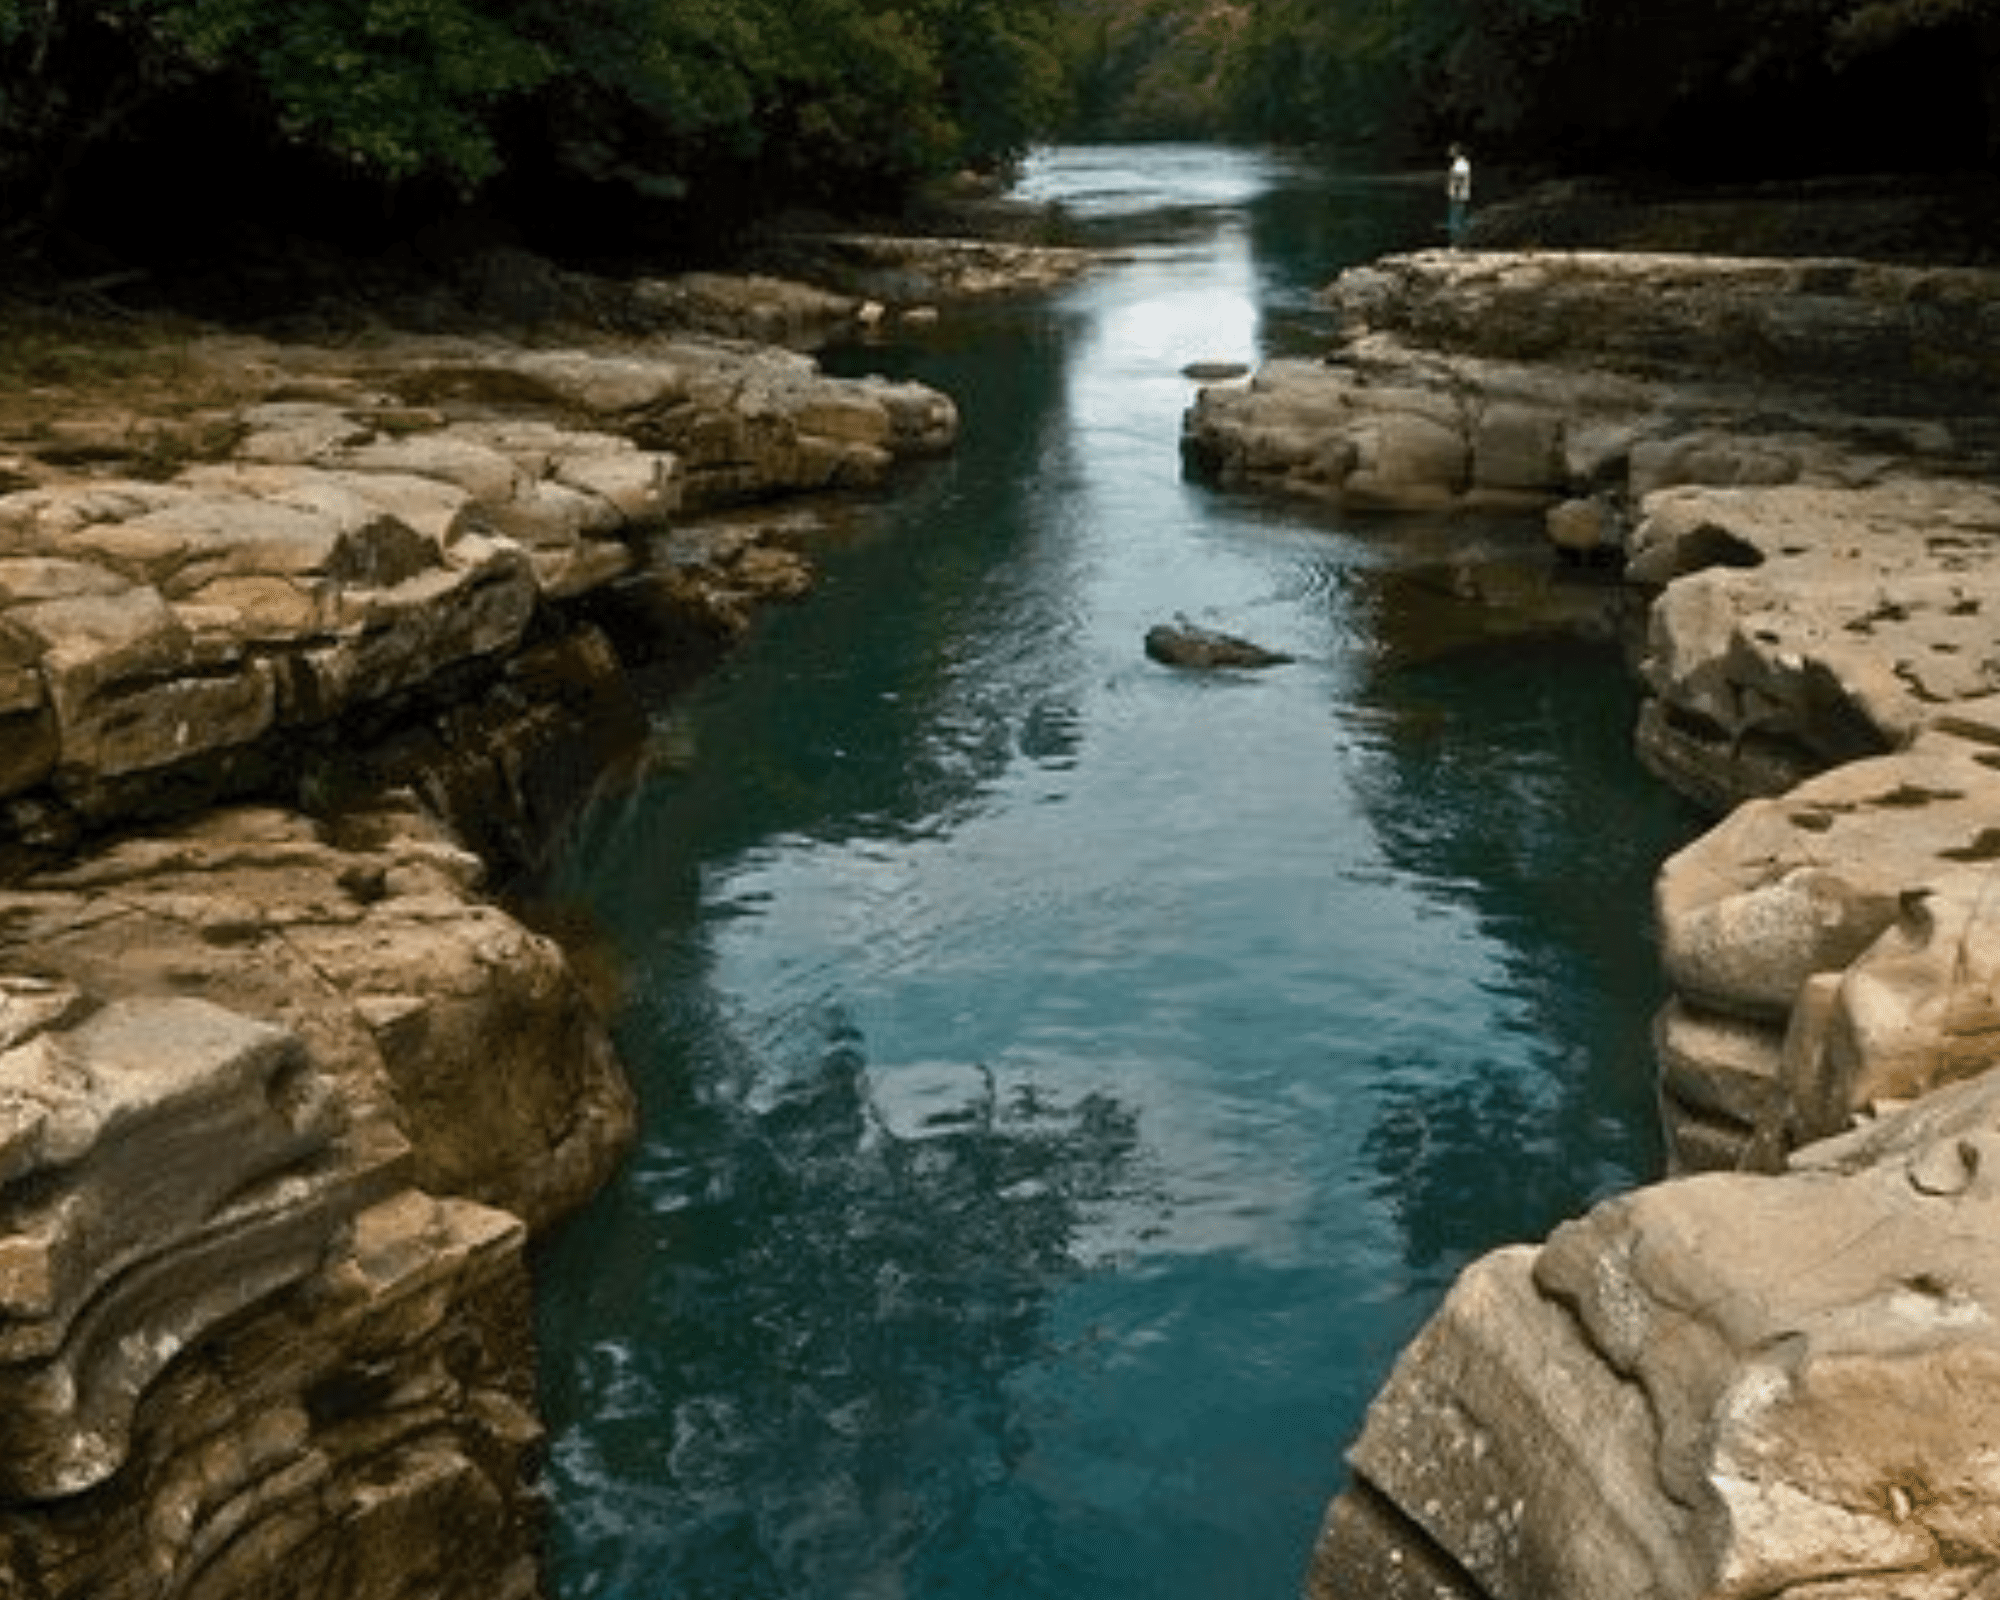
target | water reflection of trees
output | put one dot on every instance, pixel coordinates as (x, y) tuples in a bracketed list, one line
[(1302, 231), (1503, 778), (834, 1284)]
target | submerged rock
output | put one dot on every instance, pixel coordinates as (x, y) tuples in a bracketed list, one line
[(1182, 643)]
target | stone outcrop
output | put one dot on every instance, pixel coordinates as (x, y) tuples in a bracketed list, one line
[(284, 1094), (1726, 1386), (1802, 627), (1765, 1380), (1573, 385), (1182, 643), (409, 523), (278, 1109), (1906, 339), (1827, 952), (907, 274)]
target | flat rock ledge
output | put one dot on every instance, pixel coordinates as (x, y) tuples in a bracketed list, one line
[(284, 1095), (1773, 1373), (372, 527)]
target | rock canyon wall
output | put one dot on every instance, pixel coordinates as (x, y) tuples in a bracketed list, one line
[(284, 1094), (1773, 1373)]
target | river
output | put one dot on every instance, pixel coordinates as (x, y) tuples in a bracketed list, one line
[(1068, 1081)]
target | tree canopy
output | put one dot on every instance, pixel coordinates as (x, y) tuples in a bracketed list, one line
[(131, 122), (720, 104), (1718, 87)]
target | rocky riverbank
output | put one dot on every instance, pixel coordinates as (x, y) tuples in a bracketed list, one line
[(303, 647), (1772, 1378)]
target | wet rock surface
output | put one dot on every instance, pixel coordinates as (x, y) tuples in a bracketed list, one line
[(1762, 1379), (1186, 644), (290, 668)]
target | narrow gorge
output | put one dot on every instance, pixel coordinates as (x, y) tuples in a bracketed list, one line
[(310, 652)]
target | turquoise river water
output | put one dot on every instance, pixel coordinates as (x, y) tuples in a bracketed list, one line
[(1067, 1081)]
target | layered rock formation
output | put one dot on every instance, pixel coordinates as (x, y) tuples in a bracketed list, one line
[(280, 1107), (1765, 1381), (283, 1094), (1725, 1386), (409, 523), (1827, 952), (1501, 382)]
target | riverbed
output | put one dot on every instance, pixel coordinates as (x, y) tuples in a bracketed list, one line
[(1068, 1080)]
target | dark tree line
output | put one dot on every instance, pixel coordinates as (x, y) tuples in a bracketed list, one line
[(1704, 88), (129, 128), (133, 120)]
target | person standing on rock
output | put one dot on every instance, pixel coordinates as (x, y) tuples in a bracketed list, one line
[(1457, 194)]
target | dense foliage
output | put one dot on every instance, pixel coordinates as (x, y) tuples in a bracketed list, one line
[(1719, 87), (1151, 69), (127, 125), (108, 105)]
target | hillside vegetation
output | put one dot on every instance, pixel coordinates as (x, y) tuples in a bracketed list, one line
[(1697, 88), (137, 132)]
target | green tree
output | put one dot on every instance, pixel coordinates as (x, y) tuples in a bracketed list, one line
[(1732, 85), (722, 104), (1150, 69), (1391, 73)]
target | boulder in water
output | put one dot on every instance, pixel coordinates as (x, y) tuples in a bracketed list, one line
[(1181, 643)]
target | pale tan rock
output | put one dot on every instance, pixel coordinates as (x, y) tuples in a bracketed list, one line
[(493, 1058), (1866, 327), (1497, 1413), (369, 1437), (1850, 915), (1722, 1082), (117, 666), (278, 1111), (433, 511), (1719, 1387), (1582, 527), (297, 433), (1730, 1386), (915, 274), (422, 516), (749, 305), (235, 1328), (1811, 625), (1317, 429), (149, 1237), (490, 476), (603, 386)]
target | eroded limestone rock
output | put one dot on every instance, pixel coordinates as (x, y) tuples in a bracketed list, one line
[(390, 522), (1727, 1386), (1800, 627), (1900, 335), (1770, 1381), (282, 1100), (277, 1111), (743, 422), (1829, 951)]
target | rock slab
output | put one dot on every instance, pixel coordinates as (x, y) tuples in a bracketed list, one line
[(277, 1114)]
